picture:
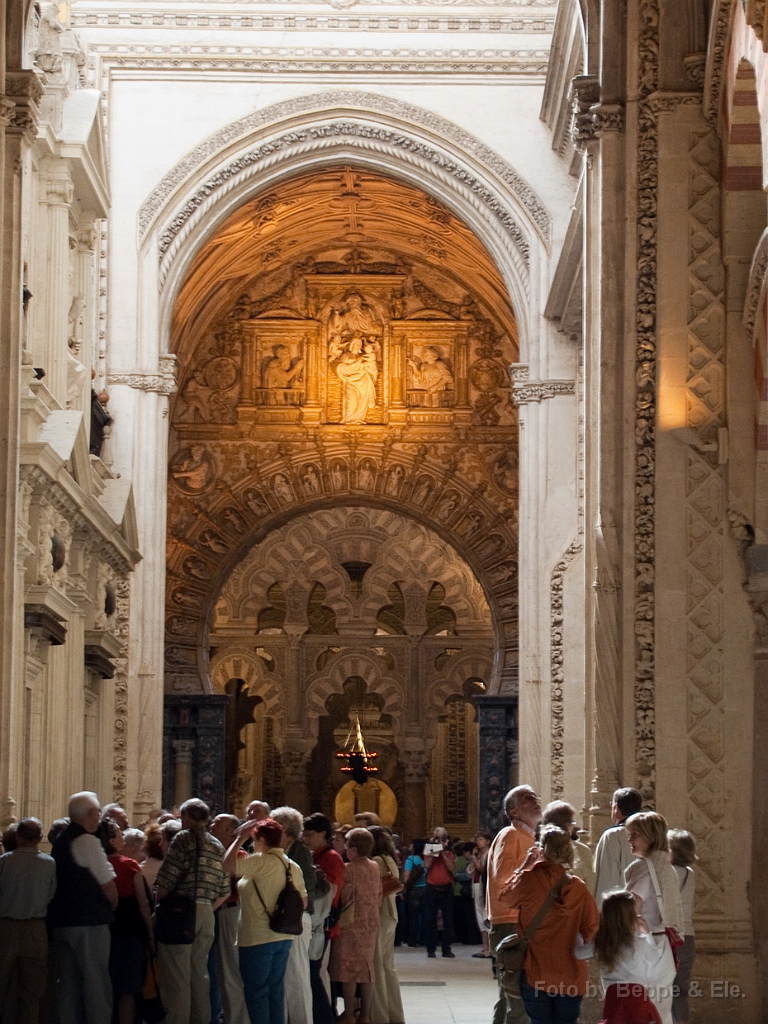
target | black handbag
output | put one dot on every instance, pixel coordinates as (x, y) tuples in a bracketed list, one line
[(175, 915), (288, 915)]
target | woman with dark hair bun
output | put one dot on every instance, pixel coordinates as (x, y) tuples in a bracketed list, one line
[(263, 953), (352, 953)]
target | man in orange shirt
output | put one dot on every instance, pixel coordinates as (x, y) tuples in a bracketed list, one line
[(508, 851)]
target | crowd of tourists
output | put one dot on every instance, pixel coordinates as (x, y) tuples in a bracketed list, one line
[(285, 919)]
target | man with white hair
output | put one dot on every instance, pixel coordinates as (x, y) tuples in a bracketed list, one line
[(257, 810), (508, 851), (79, 916)]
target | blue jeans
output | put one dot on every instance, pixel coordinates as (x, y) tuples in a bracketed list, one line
[(546, 1009), (263, 970)]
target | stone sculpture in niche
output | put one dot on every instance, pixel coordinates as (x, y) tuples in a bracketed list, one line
[(281, 373), (338, 476), (394, 480), (311, 480), (357, 367), (282, 488), (431, 374)]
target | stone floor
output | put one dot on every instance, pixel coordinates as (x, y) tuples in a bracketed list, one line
[(458, 991)]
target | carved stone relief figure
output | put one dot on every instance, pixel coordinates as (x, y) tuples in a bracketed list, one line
[(311, 480), (192, 470), (281, 374), (357, 367), (282, 488), (423, 491), (256, 503), (339, 476), (431, 373), (366, 476), (394, 481), (504, 471)]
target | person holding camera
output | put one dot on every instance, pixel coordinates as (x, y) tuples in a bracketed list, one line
[(440, 865)]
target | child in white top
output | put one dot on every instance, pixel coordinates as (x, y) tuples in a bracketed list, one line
[(628, 955)]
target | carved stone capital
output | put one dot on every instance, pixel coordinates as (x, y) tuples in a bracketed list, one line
[(536, 390), (59, 191), (7, 110), (183, 749), (25, 91), (608, 117)]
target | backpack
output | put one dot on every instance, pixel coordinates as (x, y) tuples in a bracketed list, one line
[(288, 915)]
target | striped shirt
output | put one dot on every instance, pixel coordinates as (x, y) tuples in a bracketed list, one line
[(177, 874)]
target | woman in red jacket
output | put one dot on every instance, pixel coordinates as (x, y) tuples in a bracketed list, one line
[(553, 981)]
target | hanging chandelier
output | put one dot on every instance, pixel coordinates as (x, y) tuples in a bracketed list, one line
[(359, 762)]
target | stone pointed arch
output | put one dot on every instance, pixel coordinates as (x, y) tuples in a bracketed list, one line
[(412, 144)]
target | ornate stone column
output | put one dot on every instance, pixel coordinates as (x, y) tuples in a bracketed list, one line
[(498, 745), (19, 115)]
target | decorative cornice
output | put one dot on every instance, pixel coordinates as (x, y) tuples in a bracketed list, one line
[(326, 59), (525, 391), (313, 139), (160, 383), (449, 5), (279, 21), (756, 282), (7, 110), (364, 102), (664, 102)]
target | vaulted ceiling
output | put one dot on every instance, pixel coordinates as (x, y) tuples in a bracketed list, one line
[(327, 220)]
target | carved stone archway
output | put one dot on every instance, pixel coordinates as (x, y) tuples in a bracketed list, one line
[(343, 343)]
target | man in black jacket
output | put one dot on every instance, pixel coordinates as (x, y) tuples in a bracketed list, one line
[(80, 915)]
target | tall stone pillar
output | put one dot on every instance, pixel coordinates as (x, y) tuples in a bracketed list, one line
[(296, 793), (19, 115), (183, 751), (414, 814), (498, 746), (139, 405), (51, 331)]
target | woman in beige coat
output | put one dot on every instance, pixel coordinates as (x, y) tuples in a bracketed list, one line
[(386, 1005)]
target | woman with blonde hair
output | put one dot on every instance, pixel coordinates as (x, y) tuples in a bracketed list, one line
[(652, 879), (553, 980), (352, 953), (386, 1004), (682, 854)]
